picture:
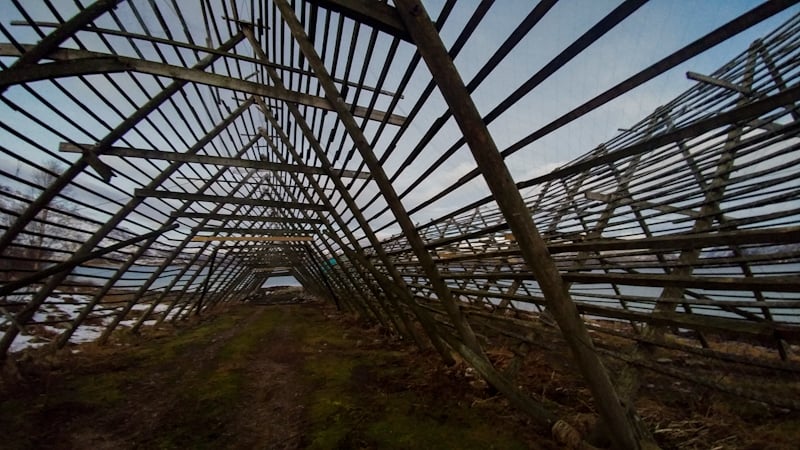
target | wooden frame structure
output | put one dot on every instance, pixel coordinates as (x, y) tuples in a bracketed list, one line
[(313, 136)]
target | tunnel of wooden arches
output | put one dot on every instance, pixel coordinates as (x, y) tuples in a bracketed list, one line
[(617, 179)]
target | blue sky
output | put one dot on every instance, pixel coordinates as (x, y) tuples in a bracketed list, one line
[(654, 31)]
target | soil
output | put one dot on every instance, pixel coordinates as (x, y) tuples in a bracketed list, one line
[(254, 376), (287, 372)]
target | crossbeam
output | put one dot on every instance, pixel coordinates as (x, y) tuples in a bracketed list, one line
[(245, 217), (72, 62), (375, 14), (128, 152), (253, 238), (200, 48), (224, 199), (273, 231)]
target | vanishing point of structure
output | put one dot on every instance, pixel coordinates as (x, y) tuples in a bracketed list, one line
[(166, 157)]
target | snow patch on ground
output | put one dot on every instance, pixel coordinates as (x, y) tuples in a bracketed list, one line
[(24, 341), (63, 308), (86, 333)]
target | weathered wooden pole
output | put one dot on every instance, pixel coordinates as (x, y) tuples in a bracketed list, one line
[(624, 429), (467, 346), (380, 177), (394, 287)]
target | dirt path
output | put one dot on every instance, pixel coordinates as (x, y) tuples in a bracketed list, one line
[(267, 377)]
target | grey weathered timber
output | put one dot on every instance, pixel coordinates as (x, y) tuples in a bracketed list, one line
[(177, 251), (677, 239), (395, 286), (624, 430), (375, 14), (152, 193), (379, 176), (250, 218), (248, 230), (70, 63), (86, 248), (62, 33), (67, 266), (199, 48), (207, 159), (363, 265), (64, 179), (360, 302)]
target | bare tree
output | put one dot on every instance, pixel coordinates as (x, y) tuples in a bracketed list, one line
[(44, 237)]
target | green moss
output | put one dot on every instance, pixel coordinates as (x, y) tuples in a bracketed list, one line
[(353, 399), (423, 431), (98, 390), (350, 407)]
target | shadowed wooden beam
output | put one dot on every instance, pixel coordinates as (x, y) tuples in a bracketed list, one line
[(224, 199), (718, 82), (375, 14), (206, 159), (72, 62), (394, 285)]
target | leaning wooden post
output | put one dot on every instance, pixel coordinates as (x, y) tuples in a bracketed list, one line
[(623, 427), (380, 177), (394, 287)]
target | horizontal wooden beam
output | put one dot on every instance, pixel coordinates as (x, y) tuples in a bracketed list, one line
[(369, 12), (128, 152), (675, 319), (718, 82), (761, 283), (253, 238), (641, 204), (200, 48), (272, 231), (268, 268), (72, 62), (247, 217), (741, 114), (224, 199)]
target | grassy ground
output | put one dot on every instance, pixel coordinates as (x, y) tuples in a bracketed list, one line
[(305, 376), (276, 377)]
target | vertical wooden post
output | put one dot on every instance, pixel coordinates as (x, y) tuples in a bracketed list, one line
[(622, 425)]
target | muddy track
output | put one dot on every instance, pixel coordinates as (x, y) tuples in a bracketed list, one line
[(253, 376)]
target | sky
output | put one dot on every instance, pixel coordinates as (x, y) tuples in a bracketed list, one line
[(652, 32)]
